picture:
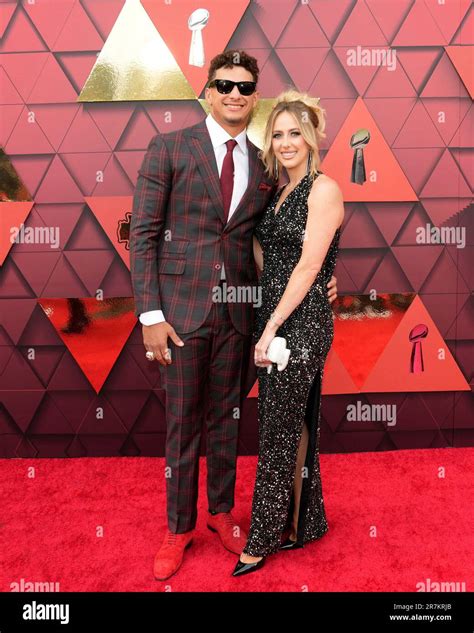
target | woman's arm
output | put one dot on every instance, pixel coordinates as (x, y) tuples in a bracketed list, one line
[(257, 253), (325, 215)]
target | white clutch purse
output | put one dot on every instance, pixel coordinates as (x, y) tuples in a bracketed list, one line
[(278, 353)]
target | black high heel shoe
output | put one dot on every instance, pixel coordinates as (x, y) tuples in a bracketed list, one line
[(289, 544), (246, 568)]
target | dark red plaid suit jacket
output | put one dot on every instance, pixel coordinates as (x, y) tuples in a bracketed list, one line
[(178, 237)]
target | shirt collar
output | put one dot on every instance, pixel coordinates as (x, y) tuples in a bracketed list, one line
[(219, 136)]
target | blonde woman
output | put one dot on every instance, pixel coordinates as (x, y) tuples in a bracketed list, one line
[(295, 246)]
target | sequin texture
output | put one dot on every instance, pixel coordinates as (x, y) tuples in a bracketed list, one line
[(290, 398)]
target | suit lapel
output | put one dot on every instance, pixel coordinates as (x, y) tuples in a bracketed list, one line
[(203, 151)]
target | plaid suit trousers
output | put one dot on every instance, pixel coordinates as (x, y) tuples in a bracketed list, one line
[(204, 385)]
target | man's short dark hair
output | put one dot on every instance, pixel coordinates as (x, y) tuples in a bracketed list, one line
[(232, 58)]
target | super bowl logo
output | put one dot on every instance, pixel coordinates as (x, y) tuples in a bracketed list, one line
[(123, 230)]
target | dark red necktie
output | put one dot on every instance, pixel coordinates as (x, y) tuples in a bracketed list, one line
[(227, 177)]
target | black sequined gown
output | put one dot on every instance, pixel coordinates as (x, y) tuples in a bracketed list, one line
[(289, 398)]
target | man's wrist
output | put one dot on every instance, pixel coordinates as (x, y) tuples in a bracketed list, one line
[(151, 317)]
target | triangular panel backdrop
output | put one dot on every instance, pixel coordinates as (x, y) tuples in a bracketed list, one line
[(78, 107)]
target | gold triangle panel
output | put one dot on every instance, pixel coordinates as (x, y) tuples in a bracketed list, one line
[(135, 64)]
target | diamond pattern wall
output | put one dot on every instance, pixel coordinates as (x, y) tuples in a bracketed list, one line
[(77, 156)]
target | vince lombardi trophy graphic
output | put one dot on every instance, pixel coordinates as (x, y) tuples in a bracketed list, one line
[(196, 22), (358, 141)]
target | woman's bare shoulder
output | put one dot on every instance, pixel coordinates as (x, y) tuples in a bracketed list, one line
[(326, 186)]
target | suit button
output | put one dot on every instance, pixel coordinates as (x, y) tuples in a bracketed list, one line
[(217, 266), (225, 236)]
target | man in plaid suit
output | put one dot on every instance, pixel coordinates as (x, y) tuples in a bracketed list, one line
[(199, 195)]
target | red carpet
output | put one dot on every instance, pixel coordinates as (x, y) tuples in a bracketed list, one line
[(423, 525)]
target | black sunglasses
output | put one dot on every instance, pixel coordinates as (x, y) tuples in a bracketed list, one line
[(225, 86)]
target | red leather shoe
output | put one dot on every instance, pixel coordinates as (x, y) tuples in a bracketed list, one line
[(170, 555), (232, 536)]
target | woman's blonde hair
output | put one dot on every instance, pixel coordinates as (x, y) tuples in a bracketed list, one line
[(311, 119)]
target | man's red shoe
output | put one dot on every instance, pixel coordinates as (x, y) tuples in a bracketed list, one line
[(232, 536), (170, 555)]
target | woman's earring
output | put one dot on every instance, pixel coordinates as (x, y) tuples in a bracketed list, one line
[(275, 169), (310, 161)]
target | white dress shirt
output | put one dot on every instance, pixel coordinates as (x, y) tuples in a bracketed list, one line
[(219, 136)]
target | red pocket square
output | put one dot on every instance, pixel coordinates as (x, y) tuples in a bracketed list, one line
[(264, 186)]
